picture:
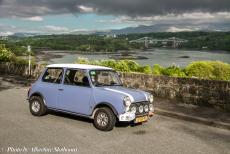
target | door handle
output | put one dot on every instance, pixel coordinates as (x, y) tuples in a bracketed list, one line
[(61, 89)]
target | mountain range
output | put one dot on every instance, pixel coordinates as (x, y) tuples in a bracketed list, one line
[(147, 29)]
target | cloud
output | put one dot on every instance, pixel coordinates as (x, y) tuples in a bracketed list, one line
[(55, 28), (158, 7), (194, 17), (30, 8), (3, 26), (7, 29), (85, 9), (175, 29), (35, 18), (129, 12), (6, 33), (225, 14)]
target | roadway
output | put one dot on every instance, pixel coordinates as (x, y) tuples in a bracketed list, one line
[(20, 132)]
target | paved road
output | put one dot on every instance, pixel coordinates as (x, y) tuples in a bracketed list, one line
[(61, 132)]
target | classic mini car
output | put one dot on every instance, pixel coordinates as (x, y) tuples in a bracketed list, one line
[(91, 91)]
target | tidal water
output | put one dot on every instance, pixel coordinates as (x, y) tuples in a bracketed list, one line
[(164, 57)]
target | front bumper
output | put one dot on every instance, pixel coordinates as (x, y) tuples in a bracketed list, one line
[(129, 116)]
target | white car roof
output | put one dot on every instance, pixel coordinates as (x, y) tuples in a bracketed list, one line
[(79, 66)]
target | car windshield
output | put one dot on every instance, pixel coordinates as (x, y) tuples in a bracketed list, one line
[(104, 78)]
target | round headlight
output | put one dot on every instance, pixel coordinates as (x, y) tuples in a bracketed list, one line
[(127, 101), (150, 98), (146, 108), (151, 107), (133, 109), (141, 109)]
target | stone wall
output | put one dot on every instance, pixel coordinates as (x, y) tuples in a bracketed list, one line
[(187, 90), (21, 69)]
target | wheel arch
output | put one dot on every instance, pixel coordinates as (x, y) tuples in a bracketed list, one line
[(38, 94), (104, 104)]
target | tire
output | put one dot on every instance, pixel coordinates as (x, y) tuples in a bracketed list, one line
[(37, 106), (104, 119)]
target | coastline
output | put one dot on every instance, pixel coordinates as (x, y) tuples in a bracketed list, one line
[(162, 56), (47, 55)]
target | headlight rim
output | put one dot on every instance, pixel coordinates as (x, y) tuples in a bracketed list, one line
[(141, 106), (146, 110), (151, 98), (127, 99), (151, 108), (131, 107)]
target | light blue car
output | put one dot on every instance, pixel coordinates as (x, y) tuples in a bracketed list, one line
[(91, 91)]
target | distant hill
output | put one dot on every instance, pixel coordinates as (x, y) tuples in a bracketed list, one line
[(170, 28), (180, 27), (25, 34), (140, 29)]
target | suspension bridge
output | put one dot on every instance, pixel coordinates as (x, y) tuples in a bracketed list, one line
[(174, 41)]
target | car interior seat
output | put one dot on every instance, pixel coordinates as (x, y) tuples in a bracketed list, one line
[(85, 81)]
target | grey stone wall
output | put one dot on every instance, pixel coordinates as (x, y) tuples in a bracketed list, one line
[(21, 69), (187, 90)]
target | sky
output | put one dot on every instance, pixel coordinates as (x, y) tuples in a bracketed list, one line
[(77, 16)]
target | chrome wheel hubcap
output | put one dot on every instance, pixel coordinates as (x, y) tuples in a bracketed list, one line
[(102, 119), (35, 106)]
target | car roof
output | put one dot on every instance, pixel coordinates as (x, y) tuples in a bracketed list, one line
[(79, 66)]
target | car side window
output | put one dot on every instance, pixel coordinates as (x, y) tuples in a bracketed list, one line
[(53, 75), (76, 77)]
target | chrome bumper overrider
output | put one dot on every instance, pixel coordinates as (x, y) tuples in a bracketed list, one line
[(127, 116)]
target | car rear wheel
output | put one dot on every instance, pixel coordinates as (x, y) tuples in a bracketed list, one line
[(104, 119), (37, 106)]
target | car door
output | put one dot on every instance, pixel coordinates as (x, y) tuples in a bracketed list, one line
[(76, 95), (50, 86)]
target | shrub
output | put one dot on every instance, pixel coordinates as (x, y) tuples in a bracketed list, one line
[(107, 63), (214, 70), (6, 55), (199, 69), (122, 66), (119, 65), (19, 60), (133, 66), (157, 69), (82, 60), (221, 71), (145, 69), (173, 71)]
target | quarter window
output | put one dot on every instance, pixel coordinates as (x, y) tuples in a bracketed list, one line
[(53, 75)]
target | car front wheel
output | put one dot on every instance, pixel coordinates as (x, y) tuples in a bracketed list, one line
[(104, 119), (37, 106)]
